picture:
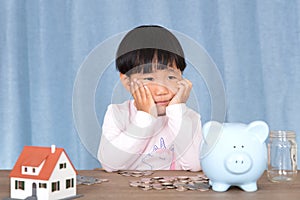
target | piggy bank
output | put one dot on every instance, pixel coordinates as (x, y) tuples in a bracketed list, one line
[(234, 154)]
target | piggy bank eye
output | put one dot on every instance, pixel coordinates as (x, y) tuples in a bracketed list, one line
[(234, 147), (243, 146)]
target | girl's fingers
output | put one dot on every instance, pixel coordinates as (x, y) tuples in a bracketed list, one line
[(133, 89), (148, 93), (183, 93), (141, 91), (142, 96), (186, 83)]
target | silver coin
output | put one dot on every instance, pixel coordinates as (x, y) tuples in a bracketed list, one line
[(157, 186), (137, 172), (147, 173), (136, 175), (203, 189), (146, 180), (181, 189), (157, 177), (167, 184), (182, 177), (184, 181), (134, 184)]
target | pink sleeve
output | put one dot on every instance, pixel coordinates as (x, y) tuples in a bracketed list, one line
[(186, 127), (121, 144)]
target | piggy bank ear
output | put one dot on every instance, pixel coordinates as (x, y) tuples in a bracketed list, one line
[(260, 129), (211, 132), (211, 127)]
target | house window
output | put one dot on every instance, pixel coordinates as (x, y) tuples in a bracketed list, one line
[(42, 185), (69, 183), (33, 170), (62, 165), (55, 186), (25, 169), (20, 185)]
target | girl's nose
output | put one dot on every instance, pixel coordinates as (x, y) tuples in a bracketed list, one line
[(160, 89)]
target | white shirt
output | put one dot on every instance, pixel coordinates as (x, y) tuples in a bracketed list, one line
[(135, 140)]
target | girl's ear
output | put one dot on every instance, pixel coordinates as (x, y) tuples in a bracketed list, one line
[(125, 80)]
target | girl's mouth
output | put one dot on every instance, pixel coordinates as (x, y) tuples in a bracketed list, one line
[(162, 103)]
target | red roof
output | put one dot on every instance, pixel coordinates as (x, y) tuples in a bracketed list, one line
[(33, 156)]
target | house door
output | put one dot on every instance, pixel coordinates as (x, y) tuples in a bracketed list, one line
[(33, 189)]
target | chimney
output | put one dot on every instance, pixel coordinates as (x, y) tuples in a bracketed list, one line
[(53, 148)]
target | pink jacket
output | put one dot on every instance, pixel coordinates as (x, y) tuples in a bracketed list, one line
[(135, 140)]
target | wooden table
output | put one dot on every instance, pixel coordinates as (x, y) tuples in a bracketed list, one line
[(118, 188)]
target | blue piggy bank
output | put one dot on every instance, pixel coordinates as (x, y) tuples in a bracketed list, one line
[(234, 154)]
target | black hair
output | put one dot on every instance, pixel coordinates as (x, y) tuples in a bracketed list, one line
[(141, 45)]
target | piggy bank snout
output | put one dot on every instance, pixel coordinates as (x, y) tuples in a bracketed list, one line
[(238, 163)]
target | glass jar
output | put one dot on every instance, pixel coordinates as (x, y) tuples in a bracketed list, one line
[(282, 156)]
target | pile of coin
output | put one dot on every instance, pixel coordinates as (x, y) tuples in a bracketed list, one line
[(135, 173), (88, 180), (179, 183)]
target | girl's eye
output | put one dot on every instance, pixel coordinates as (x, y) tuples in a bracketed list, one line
[(148, 79), (172, 77)]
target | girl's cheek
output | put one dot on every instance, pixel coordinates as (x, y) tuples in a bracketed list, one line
[(173, 88)]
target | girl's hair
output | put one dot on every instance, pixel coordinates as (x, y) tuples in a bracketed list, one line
[(141, 45)]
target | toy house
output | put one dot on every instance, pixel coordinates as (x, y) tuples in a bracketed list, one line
[(44, 172)]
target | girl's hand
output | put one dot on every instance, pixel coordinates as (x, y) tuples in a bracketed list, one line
[(183, 93), (142, 97)]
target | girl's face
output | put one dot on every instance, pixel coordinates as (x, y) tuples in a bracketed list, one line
[(162, 84)]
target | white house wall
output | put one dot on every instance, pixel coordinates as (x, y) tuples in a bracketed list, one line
[(62, 175), (22, 194)]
